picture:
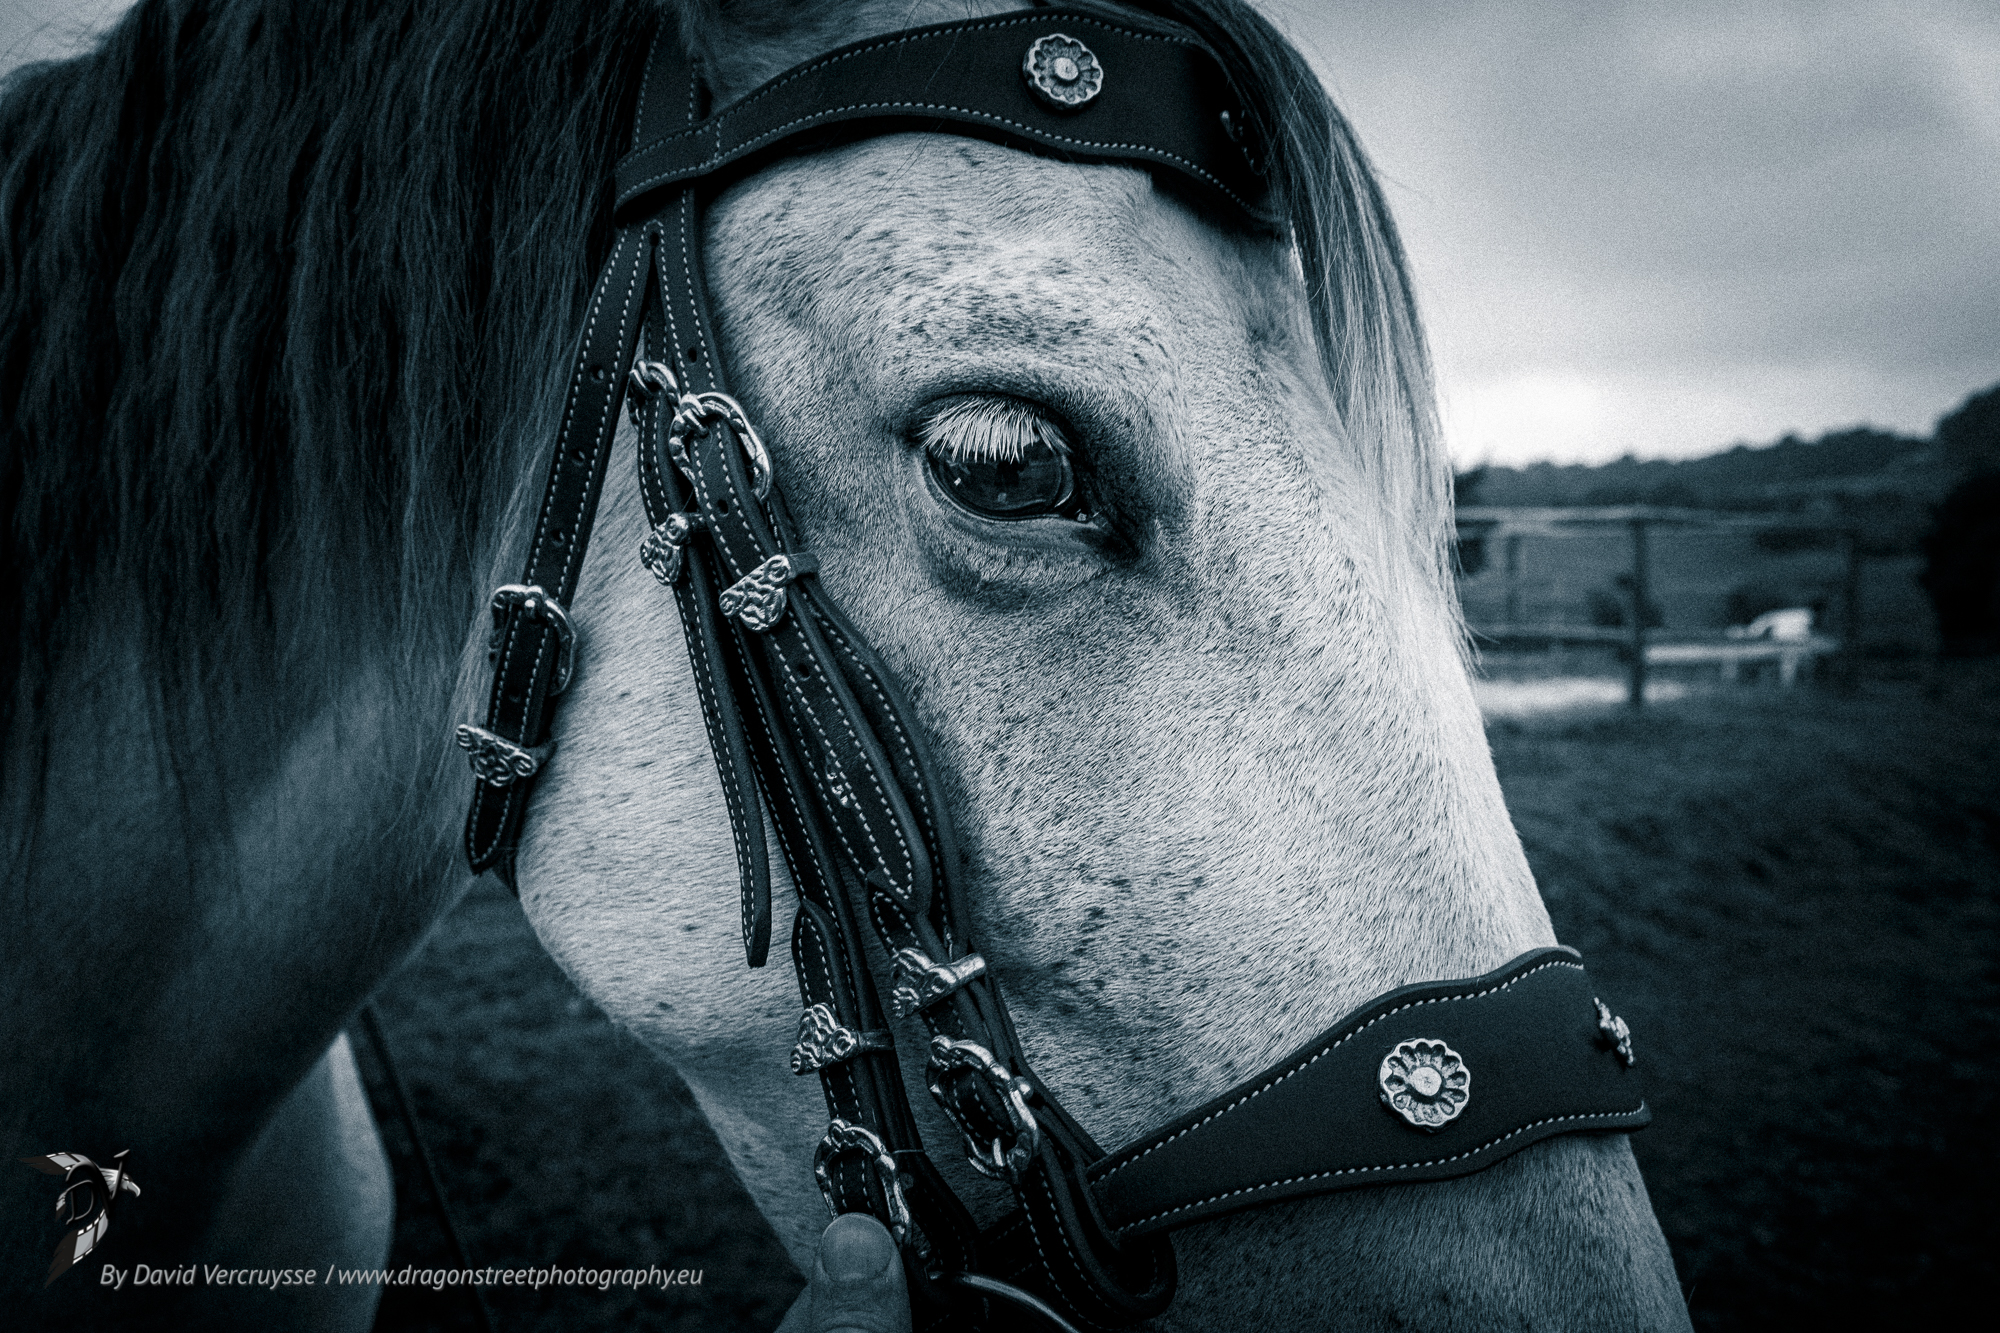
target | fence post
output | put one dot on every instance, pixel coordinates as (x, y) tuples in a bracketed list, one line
[(1637, 694), (1512, 566), (1850, 591)]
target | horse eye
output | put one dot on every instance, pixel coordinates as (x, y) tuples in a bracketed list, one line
[(1000, 458)]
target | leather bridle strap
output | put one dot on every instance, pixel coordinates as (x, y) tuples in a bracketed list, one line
[(1163, 101), (533, 644), (1539, 1056), (808, 727)]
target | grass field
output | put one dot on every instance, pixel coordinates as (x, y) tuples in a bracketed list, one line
[(1794, 897)]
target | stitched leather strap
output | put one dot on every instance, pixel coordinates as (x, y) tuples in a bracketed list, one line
[(1527, 1035), (528, 641), (1162, 101), (807, 725)]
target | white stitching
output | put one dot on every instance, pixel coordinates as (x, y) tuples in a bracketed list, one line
[(840, 1070), (832, 758), (605, 420), (751, 145), (921, 807), (1392, 1166), (1076, 1264), (652, 54), (732, 793), (694, 294), (904, 40), (1328, 1049)]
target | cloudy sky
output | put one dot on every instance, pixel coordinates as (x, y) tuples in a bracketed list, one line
[(1653, 228), (1665, 228)]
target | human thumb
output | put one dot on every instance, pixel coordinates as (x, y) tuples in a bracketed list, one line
[(857, 1281)]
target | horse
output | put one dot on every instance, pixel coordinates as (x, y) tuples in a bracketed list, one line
[(289, 293)]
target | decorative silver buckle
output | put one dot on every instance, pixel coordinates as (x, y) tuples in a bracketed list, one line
[(758, 598), (664, 549), (534, 602), (916, 983), (696, 413), (497, 761), (824, 1041), (1007, 1163), (842, 1137), (651, 377), (1617, 1034)]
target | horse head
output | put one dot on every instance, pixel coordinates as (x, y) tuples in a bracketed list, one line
[(1134, 487), (1144, 506)]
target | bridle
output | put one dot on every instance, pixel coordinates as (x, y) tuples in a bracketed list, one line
[(807, 725)]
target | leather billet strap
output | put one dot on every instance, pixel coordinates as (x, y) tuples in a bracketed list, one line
[(1528, 1037), (529, 647), (533, 645)]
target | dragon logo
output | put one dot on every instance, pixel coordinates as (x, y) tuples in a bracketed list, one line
[(89, 1193)]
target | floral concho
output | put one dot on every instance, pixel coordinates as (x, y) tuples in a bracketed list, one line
[(1062, 72), (1425, 1082)]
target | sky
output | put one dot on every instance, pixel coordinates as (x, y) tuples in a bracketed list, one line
[(1662, 229), (1651, 229)]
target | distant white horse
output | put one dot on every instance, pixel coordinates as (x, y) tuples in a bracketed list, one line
[(1791, 625), (289, 291)]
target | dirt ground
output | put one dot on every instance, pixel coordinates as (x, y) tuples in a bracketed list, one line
[(1791, 896)]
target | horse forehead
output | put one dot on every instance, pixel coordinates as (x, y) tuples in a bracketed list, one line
[(924, 237)]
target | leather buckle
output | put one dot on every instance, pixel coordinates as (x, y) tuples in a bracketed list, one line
[(534, 602), (497, 761), (1004, 1163), (842, 1137), (651, 377), (824, 1041), (916, 983), (697, 412)]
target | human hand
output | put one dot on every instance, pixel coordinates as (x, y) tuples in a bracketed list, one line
[(857, 1283)]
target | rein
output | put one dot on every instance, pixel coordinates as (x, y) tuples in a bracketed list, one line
[(806, 724)]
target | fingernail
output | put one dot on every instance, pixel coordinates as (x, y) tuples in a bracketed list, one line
[(855, 1247)]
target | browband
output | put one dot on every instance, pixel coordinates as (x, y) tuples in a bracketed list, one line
[(807, 725), (1160, 100)]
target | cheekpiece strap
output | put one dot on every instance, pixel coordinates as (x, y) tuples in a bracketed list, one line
[(809, 727)]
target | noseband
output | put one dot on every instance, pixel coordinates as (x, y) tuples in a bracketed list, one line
[(1427, 1082)]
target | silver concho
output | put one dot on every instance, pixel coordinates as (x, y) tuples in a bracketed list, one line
[(1062, 72), (497, 761), (1616, 1034), (823, 1041), (1425, 1082), (916, 983), (664, 548), (758, 598)]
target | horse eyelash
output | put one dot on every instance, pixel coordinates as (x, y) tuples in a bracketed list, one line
[(988, 430)]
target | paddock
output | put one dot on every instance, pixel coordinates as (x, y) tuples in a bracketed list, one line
[(1671, 587), (1794, 889)]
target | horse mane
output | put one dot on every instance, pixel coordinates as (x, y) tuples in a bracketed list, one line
[(1360, 298), (283, 289)]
